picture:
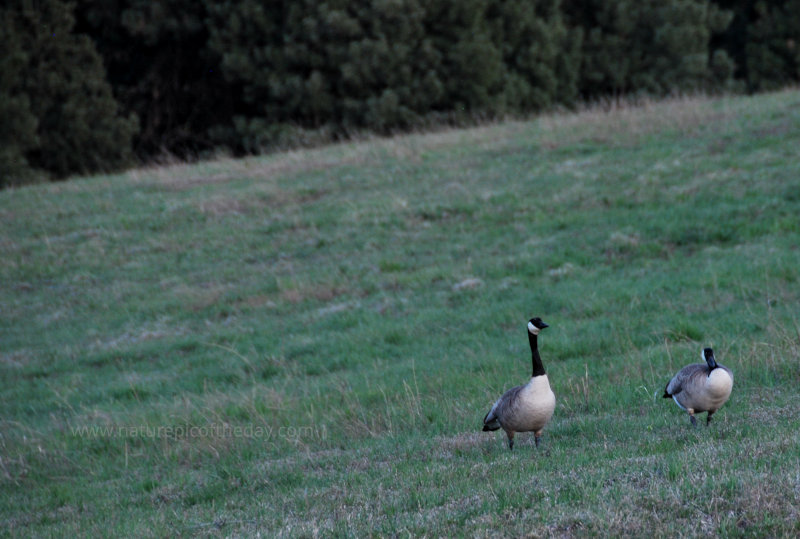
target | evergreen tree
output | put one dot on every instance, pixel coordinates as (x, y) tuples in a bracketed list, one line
[(773, 48), (162, 70), (651, 46), (60, 78), (540, 56), (18, 134), (342, 65), (733, 38), (338, 65), (471, 65)]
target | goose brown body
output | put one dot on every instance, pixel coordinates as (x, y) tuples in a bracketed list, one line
[(528, 407), (701, 387)]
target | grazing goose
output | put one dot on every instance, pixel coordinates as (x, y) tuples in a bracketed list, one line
[(525, 408), (701, 388)]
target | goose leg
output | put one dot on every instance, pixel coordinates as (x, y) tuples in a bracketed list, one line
[(708, 417), (691, 418), (536, 437), (510, 434)]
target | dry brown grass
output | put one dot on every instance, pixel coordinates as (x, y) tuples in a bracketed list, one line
[(629, 121), (362, 151), (610, 122)]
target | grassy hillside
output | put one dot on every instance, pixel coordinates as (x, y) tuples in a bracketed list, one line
[(306, 343)]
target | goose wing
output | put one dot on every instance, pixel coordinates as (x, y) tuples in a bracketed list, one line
[(501, 407), (680, 380)]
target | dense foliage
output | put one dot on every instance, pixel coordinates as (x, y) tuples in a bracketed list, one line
[(649, 46), (56, 107), (242, 76), (319, 69)]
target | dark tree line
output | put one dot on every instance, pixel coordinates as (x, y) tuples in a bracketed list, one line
[(93, 86)]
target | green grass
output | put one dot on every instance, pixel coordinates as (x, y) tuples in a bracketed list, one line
[(305, 344)]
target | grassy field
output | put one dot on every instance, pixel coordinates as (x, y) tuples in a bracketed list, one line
[(306, 343)]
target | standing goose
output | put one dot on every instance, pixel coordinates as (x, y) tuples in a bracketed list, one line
[(525, 408), (701, 388)]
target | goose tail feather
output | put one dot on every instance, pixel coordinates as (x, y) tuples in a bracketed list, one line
[(490, 422), (494, 425)]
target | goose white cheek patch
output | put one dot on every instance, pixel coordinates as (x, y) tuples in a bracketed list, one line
[(533, 329)]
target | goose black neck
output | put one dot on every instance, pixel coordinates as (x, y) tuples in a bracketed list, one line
[(536, 359), (708, 354)]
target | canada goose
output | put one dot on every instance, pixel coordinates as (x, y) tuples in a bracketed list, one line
[(701, 388), (525, 408)]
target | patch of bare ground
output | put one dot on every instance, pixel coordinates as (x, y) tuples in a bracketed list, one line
[(320, 292), (259, 300), (135, 334), (772, 415), (767, 496), (268, 198), (180, 177), (464, 441), (17, 359), (197, 298), (224, 206)]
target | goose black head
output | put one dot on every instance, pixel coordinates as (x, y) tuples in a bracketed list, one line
[(535, 325), (708, 356)]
